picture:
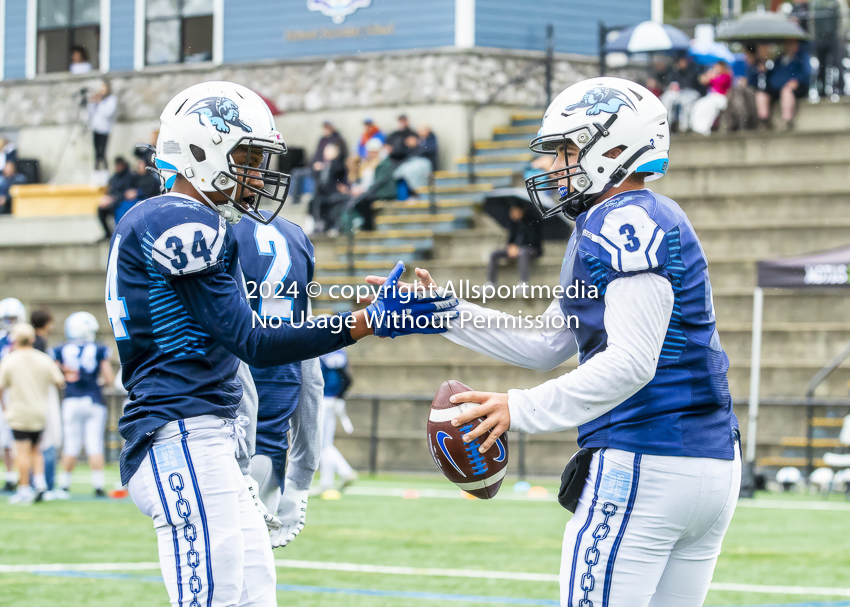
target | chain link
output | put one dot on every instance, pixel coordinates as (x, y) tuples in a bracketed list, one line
[(592, 554), (190, 532)]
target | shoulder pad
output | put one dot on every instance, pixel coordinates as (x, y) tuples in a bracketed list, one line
[(184, 237), (625, 237)]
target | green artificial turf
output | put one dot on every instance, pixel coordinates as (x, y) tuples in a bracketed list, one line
[(763, 546)]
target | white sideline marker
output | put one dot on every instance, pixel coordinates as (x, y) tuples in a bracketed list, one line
[(420, 571)]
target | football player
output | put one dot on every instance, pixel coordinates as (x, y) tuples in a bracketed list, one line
[(337, 382), (86, 366), (277, 262), (12, 311), (182, 324), (650, 397)]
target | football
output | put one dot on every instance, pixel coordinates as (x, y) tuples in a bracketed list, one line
[(479, 474)]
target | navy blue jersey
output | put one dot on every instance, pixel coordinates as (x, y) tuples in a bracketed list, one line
[(277, 262), (686, 409), (5, 344), (85, 358), (335, 374), (181, 321)]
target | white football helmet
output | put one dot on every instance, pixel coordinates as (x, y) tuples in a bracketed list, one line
[(81, 326), (201, 127), (12, 311), (598, 115)]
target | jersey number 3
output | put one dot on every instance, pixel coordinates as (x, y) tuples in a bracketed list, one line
[(628, 231)]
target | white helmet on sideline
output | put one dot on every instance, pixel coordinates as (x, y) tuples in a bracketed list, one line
[(81, 326), (599, 115), (201, 127), (12, 311)]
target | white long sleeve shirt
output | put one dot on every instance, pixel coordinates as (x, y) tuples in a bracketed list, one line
[(637, 314)]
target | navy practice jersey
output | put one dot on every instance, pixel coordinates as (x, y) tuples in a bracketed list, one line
[(277, 262), (686, 409), (334, 373), (5, 344), (85, 358), (181, 321)]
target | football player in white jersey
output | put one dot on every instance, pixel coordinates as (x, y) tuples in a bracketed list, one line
[(657, 479)]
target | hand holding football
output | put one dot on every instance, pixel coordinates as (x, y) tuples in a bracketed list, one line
[(479, 474)]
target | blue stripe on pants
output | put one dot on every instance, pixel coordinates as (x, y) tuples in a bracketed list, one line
[(173, 528), (201, 511), (586, 524), (609, 571)]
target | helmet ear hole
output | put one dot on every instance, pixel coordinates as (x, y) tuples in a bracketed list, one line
[(614, 152), (197, 152)]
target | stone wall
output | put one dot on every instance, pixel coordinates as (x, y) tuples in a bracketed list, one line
[(449, 82)]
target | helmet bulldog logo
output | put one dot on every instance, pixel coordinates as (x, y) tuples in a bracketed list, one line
[(221, 112), (601, 99)]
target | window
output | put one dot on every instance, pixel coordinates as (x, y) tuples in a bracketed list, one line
[(178, 31), (62, 26)]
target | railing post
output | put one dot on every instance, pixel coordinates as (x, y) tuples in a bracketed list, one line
[(810, 431), (373, 437), (521, 465), (432, 184)]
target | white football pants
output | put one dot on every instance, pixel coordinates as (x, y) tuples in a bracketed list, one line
[(83, 422), (333, 463), (214, 548), (647, 530)]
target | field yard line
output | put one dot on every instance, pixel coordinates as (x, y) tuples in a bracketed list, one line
[(759, 589), (457, 494), (79, 567), (420, 571), (424, 571), (790, 505)]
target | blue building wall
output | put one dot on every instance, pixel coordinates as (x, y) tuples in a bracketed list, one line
[(268, 29), (15, 42), (123, 19), (522, 24)]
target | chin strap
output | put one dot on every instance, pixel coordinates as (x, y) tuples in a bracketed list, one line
[(230, 213)]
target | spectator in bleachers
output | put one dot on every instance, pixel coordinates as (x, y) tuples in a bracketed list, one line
[(145, 185), (79, 61), (332, 190), (9, 178), (370, 131), (787, 81), (428, 145), (330, 136), (400, 139), (525, 243), (121, 187), (8, 152), (365, 178), (101, 107), (706, 109), (414, 173), (741, 113), (683, 89), (25, 376)]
